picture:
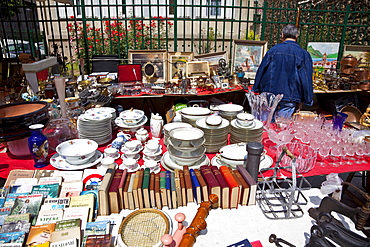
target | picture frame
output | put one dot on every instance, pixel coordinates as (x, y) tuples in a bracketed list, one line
[(213, 58), (248, 54), (176, 62), (155, 61), (324, 54), (359, 52)]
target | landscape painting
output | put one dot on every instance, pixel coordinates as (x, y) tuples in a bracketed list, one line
[(324, 54)]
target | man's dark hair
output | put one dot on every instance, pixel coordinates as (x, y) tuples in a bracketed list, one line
[(290, 31)]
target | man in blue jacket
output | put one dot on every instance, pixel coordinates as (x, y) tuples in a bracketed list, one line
[(286, 69)]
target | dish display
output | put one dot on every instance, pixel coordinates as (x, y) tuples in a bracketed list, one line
[(265, 163), (156, 170), (152, 154), (169, 164), (58, 162), (120, 123)]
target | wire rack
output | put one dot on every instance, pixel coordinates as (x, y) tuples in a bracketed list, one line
[(279, 196)]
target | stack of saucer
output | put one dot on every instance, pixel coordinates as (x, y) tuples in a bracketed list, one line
[(215, 130), (245, 128), (229, 111), (170, 126), (152, 151), (104, 110), (131, 120), (131, 150), (95, 126)]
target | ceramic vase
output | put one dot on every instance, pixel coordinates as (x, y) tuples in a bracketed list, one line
[(156, 125), (38, 146)]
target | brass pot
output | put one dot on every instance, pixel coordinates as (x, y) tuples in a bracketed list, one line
[(362, 74), (348, 64)]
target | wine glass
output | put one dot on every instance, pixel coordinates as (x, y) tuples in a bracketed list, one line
[(324, 151)]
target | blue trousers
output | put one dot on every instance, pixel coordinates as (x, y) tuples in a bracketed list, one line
[(285, 109)]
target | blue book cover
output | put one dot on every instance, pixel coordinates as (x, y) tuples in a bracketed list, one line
[(3, 193), (244, 243), (168, 180), (12, 237), (196, 186)]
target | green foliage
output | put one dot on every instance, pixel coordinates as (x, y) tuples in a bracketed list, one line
[(9, 8), (207, 40), (251, 35)]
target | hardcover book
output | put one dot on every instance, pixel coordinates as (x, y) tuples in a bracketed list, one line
[(121, 187), (233, 186), (67, 224), (130, 196), (162, 186), (251, 182), (140, 189), (40, 234), (183, 187), (178, 187), (157, 191), (134, 189), (125, 190), (173, 195), (27, 204), (47, 190), (49, 216), (244, 188), (113, 192), (152, 190), (69, 189), (203, 184), (212, 183), (225, 190), (168, 189), (17, 173), (103, 197), (196, 187), (188, 185), (145, 187), (73, 242)]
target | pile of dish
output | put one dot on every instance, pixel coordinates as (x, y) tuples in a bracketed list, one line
[(104, 110), (131, 120), (170, 126), (191, 114), (76, 154), (229, 111), (215, 130), (95, 126), (185, 147), (245, 128)]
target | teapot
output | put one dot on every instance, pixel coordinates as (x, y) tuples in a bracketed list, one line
[(142, 135), (348, 64)]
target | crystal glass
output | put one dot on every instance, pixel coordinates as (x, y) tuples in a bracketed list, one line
[(59, 130)]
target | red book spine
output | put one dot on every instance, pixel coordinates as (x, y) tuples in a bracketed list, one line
[(116, 181), (228, 177)]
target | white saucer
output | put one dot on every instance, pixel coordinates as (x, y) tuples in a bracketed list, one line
[(156, 170), (121, 124), (136, 157), (169, 164), (256, 126), (61, 164), (116, 157), (156, 158), (148, 153), (122, 167), (126, 151), (265, 163)]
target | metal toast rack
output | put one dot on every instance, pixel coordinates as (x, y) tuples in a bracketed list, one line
[(279, 196)]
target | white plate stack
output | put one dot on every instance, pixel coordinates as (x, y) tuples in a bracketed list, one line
[(104, 110), (191, 114), (96, 126), (229, 111), (170, 126), (215, 130), (250, 133)]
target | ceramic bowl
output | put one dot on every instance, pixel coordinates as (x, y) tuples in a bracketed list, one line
[(245, 119), (132, 116), (186, 137), (77, 151), (186, 145), (230, 109), (195, 111), (186, 157), (234, 154)]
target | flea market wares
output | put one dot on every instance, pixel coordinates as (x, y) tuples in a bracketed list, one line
[(17, 117), (156, 125), (96, 126), (169, 126), (152, 165), (59, 130), (304, 154), (251, 133), (186, 157), (338, 120), (188, 137), (229, 111), (19, 147), (362, 74), (105, 162), (142, 135), (130, 164), (133, 146), (77, 151), (348, 64), (131, 117), (245, 119), (128, 128), (152, 146), (354, 114), (38, 146), (111, 153), (191, 114)]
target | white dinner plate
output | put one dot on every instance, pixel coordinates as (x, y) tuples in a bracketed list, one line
[(266, 163), (58, 162), (120, 123), (169, 164)]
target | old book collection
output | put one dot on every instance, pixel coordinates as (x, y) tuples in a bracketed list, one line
[(61, 208)]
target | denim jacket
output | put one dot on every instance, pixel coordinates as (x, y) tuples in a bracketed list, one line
[(286, 69)]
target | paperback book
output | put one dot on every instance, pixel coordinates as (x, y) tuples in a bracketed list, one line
[(27, 204)]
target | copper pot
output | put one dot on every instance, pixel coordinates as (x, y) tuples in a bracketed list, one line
[(347, 64), (362, 74)]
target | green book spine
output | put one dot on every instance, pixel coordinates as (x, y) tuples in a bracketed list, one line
[(162, 180), (146, 178)]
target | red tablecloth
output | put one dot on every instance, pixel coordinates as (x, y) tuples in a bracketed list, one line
[(9, 162)]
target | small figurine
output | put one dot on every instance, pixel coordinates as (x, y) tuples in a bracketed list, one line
[(224, 69)]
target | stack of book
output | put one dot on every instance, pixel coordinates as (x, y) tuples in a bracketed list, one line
[(77, 208)]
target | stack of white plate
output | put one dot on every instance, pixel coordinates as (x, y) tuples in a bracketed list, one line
[(131, 120), (170, 126), (191, 114), (240, 133), (229, 111), (95, 126), (215, 130), (104, 110)]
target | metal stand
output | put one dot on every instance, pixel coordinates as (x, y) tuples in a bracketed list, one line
[(280, 197)]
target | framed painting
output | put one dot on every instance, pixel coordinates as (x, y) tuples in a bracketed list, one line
[(360, 52), (324, 54), (153, 64), (248, 55), (196, 69), (213, 58), (177, 64)]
